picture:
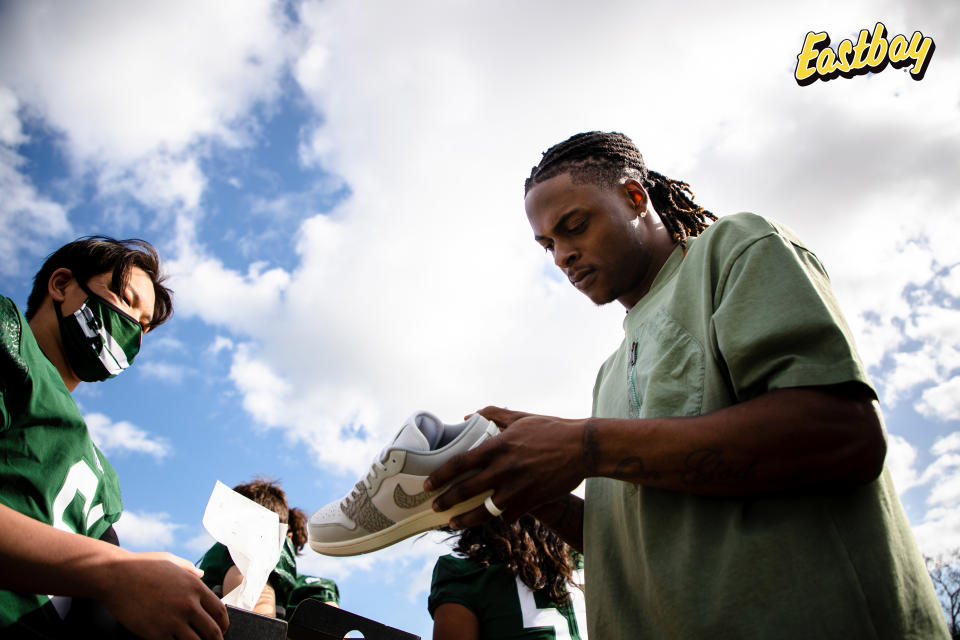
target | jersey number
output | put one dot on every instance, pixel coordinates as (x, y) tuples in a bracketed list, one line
[(549, 617), (80, 479)]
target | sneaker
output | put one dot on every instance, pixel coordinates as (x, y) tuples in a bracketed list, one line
[(390, 504)]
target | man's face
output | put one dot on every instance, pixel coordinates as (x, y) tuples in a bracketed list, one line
[(596, 236), (137, 299)]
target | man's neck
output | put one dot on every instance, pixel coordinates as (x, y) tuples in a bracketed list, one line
[(47, 333)]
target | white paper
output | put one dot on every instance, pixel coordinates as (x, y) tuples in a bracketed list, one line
[(253, 535)]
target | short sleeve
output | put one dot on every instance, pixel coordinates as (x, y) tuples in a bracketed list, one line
[(778, 324), (215, 563), (455, 580), (12, 366), (321, 589)]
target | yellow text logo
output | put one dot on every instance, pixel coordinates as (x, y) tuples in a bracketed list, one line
[(871, 54)]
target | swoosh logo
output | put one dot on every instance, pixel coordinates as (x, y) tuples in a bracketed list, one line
[(405, 500)]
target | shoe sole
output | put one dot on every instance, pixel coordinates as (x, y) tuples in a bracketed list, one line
[(411, 526)]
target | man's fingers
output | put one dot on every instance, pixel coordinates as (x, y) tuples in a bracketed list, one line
[(470, 518), (217, 610), (502, 417), (208, 622), (457, 466), (461, 491)]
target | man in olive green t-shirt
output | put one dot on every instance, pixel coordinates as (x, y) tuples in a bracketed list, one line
[(734, 460)]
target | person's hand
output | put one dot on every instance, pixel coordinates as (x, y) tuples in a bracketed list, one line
[(536, 459), (159, 595)]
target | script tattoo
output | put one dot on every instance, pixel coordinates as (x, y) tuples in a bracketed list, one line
[(706, 465), (591, 453), (633, 469)]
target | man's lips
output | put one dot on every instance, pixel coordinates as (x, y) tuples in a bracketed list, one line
[(581, 277)]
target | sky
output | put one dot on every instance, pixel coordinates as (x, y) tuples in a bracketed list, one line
[(336, 189)]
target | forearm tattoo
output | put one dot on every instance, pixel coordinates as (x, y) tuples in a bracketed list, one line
[(633, 469), (707, 466)]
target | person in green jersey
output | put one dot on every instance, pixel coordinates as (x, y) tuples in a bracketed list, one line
[(285, 587), (735, 485), (62, 574), (507, 581)]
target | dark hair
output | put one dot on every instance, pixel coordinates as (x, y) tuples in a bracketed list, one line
[(605, 159), (532, 551), (268, 493), (93, 255)]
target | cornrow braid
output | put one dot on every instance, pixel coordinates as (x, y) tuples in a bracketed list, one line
[(605, 159)]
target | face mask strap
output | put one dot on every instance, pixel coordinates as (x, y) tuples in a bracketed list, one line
[(106, 303)]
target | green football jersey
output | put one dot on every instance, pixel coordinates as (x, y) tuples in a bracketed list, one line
[(505, 607), (289, 587), (322, 589), (50, 469)]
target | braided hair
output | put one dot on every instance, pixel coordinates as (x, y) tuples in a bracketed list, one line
[(528, 548), (604, 159)]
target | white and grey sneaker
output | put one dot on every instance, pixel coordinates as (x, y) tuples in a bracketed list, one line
[(389, 504)]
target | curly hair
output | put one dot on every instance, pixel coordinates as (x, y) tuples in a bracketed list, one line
[(267, 493), (605, 159), (528, 548)]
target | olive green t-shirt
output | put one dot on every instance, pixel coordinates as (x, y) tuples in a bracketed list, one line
[(749, 309)]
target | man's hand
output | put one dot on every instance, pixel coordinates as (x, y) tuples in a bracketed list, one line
[(160, 595), (536, 459), (805, 438)]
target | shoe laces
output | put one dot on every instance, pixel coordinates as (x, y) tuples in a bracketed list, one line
[(376, 468)]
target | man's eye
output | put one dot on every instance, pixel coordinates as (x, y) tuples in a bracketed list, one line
[(577, 227)]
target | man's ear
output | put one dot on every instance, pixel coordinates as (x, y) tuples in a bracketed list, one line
[(58, 282), (636, 194)]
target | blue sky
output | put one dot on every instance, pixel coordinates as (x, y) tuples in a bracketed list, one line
[(336, 189)]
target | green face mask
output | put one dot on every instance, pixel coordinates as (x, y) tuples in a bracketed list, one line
[(99, 339)]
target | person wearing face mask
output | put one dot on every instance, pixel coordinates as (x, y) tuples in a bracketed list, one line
[(62, 573)]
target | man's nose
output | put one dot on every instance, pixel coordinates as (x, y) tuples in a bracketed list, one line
[(564, 255)]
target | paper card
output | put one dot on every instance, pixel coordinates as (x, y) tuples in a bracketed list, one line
[(253, 535)]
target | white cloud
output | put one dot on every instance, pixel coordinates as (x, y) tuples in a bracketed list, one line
[(157, 180), (941, 402), (163, 371), (220, 343), (938, 529), (199, 543), (11, 132), (951, 282), (946, 444), (901, 458), (939, 532), (139, 93), (123, 437), (408, 563), (28, 219), (146, 531), (124, 81)]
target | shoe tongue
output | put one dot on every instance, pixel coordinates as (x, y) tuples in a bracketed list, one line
[(421, 432)]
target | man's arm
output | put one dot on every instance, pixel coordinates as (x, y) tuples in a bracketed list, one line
[(154, 595), (786, 439), (266, 604)]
